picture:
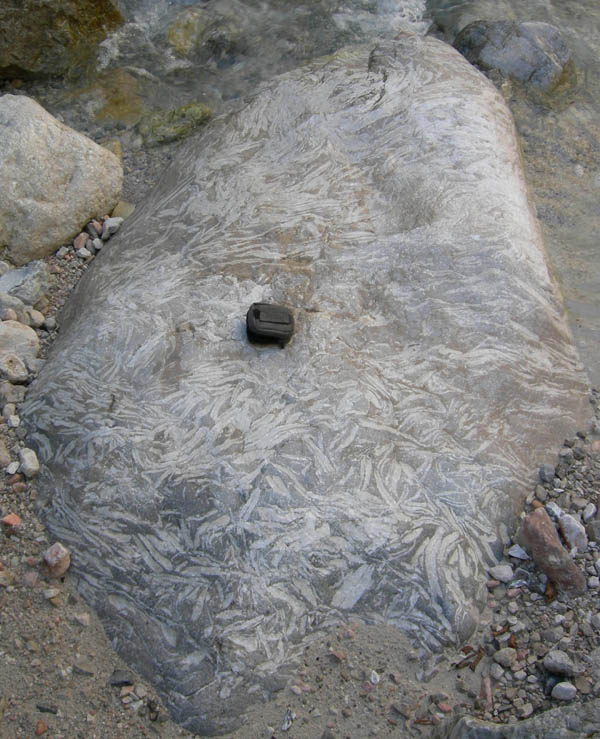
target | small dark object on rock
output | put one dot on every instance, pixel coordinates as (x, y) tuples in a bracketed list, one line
[(46, 709), (119, 678), (269, 324)]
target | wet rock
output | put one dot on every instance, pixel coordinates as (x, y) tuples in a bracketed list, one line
[(40, 40), (57, 179), (57, 560), (172, 125), (539, 537), (564, 691), (533, 53)]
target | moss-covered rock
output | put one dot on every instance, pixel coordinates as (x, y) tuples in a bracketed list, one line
[(52, 39), (187, 30), (165, 126)]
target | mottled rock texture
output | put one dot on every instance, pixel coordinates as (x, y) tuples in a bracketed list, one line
[(54, 180), (226, 500), (49, 39)]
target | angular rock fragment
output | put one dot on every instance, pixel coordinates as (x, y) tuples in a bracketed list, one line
[(539, 537), (57, 560)]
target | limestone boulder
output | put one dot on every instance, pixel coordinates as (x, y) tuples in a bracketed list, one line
[(47, 39), (226, 499), (54, 180)]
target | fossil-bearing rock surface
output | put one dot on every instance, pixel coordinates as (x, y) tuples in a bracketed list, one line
[(222, 500)]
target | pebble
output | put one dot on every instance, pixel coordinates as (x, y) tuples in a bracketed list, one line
[(84, 253), (593, 582), (57, 560), (503, 573), (110, 227), (30, 465), (559, 663), (12, 468), (546, 473), (80, 241), (505, 656), (13, 368), (518, 552), (573, 532), (564, 691), (589, 512)]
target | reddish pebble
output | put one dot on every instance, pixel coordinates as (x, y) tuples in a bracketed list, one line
[(15, 478), (12, 521), (19, 487), (80, 241), (57, 560), (596, 445), (41, 727), (33, 561), (513, 593), (537, 504), (491, 584), (331, 724), (445, 707)]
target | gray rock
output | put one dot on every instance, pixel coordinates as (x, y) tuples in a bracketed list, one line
[(502, 572), (593, 582), (97, 244), (84, 253), (554, 511), (369, 307), (10, 393), (593, 530), (18, 339), (110, 227), (50, 323), (517, 552), (55, 180), (496, 671), (573, 532), (4, 455), (564, 691), (589, 512), (559, 663), (505, 656), (571, 721), (13, 368), (13, 303), (534, 53), (546, 473), (28, 284), (30, 465)]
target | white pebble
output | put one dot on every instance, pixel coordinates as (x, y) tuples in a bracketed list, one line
[(589, 512), (30, 465), (593, 582), (12, 468)]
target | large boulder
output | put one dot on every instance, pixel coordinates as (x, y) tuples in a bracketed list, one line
[(223, 500), (54, 180), (48, 39)]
